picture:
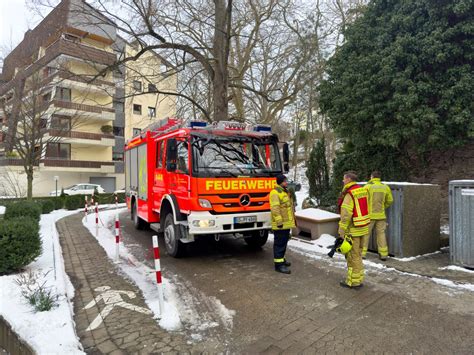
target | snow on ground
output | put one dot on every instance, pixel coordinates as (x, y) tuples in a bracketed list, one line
[(38, 328), (456, 268), (412, 258), (2, 209), (176, 312)]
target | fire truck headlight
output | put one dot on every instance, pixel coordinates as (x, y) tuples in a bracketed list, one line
[(204, 203), (204, 223)]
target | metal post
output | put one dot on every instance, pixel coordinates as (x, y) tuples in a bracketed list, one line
[(117, 237), (156, 254)]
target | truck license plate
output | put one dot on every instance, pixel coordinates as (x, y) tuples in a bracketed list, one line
[(245, 219)]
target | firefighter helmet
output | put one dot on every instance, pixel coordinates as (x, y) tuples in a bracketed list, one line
[(345, 246)]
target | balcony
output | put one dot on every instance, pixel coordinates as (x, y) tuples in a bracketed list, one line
[(11, 162), (90, 112), (81, 138), (58, 164), (84, 84)]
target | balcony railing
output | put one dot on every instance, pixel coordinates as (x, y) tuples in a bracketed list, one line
[(79, 135), (82, 107), (65, 163), (11, 162)]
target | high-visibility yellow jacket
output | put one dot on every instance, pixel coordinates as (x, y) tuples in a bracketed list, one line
[(354, 211), (380, 198), (282, 210)]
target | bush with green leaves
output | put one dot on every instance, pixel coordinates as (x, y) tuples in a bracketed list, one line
[(20, 243), (47, 206), (58, 202), (29, 209), (74, 202), (401, 85)]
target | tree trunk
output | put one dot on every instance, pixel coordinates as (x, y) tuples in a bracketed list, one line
[(29, 179), (221, 57)]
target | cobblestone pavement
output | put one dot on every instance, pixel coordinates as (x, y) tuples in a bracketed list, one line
[(305, 312), (123, 331)]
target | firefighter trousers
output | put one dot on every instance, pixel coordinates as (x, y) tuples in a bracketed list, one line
[(280, 242), (380, 226), (355, 267)]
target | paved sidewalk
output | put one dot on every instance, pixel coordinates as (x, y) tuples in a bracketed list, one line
[(129, 327)]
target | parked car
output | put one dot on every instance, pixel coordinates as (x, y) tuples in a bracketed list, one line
[(294, 185), (120, 191), (79, 189)]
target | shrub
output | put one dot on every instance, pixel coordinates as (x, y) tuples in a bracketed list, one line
[(47, 206), (20, 243), (74, 202), (58, 202), (29, 209)]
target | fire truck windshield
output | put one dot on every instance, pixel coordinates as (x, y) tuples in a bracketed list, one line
[(235, 156)]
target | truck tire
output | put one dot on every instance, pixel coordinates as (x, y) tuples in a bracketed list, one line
[(257, 238), (172, 235), (137, 221)]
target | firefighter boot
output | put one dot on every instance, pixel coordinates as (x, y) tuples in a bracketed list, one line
[(282, 268), (286, 263)]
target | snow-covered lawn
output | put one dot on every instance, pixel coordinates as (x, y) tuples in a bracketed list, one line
[(38, 329)]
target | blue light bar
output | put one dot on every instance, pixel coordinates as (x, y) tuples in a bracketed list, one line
[(197, 124), (262, 128)]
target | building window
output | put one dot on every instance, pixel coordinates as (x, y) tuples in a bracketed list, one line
[(152, 88), (137, 109), (151, 112), (61, 122), (136, 131), (116, 156), (58, 150), (118, 131), (63, 94), (119, 106), (137, 85)]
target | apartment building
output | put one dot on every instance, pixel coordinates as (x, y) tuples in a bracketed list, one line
[(85, 117)]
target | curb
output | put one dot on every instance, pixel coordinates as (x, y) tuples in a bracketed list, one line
[(11, 342)]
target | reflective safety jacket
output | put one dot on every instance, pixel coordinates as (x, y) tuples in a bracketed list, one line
[(380, 198), (282, 209), (354, 210)]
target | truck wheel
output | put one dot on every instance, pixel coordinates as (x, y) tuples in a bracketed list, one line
[(137, 221), (257, 238), (172, 235)]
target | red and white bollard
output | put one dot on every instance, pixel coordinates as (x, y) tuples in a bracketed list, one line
[(156, 254), (116, 201), (96, 219), (117, 237), (85, 207)]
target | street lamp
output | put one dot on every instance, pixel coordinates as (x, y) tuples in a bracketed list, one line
[(56, 178)]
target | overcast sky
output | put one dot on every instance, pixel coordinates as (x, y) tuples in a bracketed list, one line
[(15, 19)]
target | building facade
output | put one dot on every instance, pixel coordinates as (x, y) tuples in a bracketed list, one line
[(84, 112)]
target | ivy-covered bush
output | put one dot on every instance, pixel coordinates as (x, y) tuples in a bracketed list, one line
[(20, 243), (28, 209)]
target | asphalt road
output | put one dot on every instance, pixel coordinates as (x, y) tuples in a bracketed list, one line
[(307, 310)]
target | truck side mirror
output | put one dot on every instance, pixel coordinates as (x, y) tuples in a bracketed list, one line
[(171, 154), (286, 158)]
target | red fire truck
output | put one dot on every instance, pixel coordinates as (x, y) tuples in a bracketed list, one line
[(203, 180)]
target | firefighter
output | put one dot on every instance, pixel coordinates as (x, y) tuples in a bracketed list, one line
[(380, 198), (283, 219), (353, 225)]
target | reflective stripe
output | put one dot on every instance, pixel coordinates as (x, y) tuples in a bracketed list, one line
[(278, 261), (383, 251)]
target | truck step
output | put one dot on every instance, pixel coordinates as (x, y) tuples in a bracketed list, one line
[(155, 227)]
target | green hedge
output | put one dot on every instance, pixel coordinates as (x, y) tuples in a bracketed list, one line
[(74, 202), (20, 243), (47, 206), (29, 209)]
